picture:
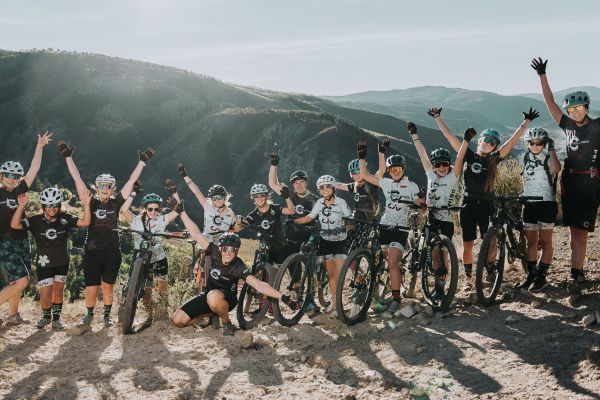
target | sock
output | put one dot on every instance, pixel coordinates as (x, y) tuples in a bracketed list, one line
[(575, 273), (46, 313), (90, 311), (543, 267), (531, 266), (468, 269), (107, 308), (396, 295), (56, 310)]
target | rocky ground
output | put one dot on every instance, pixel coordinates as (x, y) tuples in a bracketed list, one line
[(535, 347)]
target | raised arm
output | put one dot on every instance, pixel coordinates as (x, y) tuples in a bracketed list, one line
[(553, 108), (462, 151), (193, 187), (383, 146), (15, 222), (125, 210), (67, 153), (364, 172), (86, 220), (36, 162), (509, 144), (135, 175), (193, 229), (285, 193), (553, 163), (453, 140), (412, 129), (274, 183)]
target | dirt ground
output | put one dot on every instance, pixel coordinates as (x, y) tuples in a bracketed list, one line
[(525, 346)]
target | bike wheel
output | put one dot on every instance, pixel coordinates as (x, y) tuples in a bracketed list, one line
[(490, 266), (409, 269), (522, 251), (439, 284), (355, 285), (294, 280), (131, 297), (322, 283), (382, 280), (253, 305)]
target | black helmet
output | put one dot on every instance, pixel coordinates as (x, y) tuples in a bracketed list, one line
[(217, 190), (230, 239), (298, 175), (395, 161), (440, 155)]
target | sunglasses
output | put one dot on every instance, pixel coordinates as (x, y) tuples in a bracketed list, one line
[(396, 170), (55, 205), (259, 196), (441, 164), (325, 187), (578, 108), (217, 198), (153, 209), (537, 143), (104, 186), (354, 172), (228, 249), (12, 176), (490, 140)]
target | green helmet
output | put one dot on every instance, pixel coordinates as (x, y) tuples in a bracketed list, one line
[(151, 198), (491, 133), (575, 99), (354, 166)]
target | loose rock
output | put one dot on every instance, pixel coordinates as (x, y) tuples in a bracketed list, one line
[(407, 311), (511, 319), (536, 304), (79, 330), (588, 320), (246, 339), (386, 315)]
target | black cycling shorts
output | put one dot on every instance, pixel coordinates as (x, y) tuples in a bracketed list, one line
[(332, 248), (474, 213), (580, 195), (46, 276), (393, 238), (198, 305), (101, 266), (540, 212), (446, 228)]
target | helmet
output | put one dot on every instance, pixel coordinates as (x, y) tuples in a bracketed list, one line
[(354, 167), (492, 133), (217, 190), (106, 178), (575, 99), (395, 160), (12, 167), (325, 180), (440, 155), (298, 175), (50, 196), (258, 188), (230, 239), (152, 198), (535, 133)]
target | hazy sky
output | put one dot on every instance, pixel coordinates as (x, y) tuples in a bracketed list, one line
[(328, 46)]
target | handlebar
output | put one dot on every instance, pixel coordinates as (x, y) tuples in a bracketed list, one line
[(506, 199), (375, 224), (172, 235)]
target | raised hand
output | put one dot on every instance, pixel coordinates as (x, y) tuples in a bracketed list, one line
[(181, 170), (285, 192), (23, 199), (539, 65), (137, 186), (531, 115), (45, 138), (175, 205), (412, 128), (435, 112), (550, 143), (64, 149), (362, 150), (146, 154), (274, 159), (170, 185), (383, 146), (469, 134)]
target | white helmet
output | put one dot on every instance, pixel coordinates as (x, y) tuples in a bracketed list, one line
[(325, 180), (12, 167), (51, 196), (105, 178), (535, 134), (258, 188)]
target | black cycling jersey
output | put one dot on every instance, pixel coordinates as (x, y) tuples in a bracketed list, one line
[(269, 223), (366, 200), (477, 169), (303, 206), (50, 238), (8, 206), (583, 143), (224, 277), (105, 217)]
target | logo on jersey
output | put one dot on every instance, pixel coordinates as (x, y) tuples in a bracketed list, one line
[(51, 234), (299, 209), (395, 195), (266, 225), (217, 220), (356, 197), (574, 143), (326, 211), (11, 203), (43, 260), (476, 168), (102, 214), (215, 274)]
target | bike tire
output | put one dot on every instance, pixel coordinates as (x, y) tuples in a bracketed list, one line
[(496, 269), (428, 274), (409, 270), (323, 292), (253, 305), (382, 280), (293, 265), (353, 298), (132, 296)]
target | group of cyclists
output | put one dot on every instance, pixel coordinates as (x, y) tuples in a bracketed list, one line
[(283, 225)]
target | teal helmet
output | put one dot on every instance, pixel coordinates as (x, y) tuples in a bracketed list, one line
[(354, 166), (575, 99), (151, 198), (491, 133)]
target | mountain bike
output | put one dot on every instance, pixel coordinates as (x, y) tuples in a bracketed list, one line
[(299, 275), (139, 270), (505, 239)]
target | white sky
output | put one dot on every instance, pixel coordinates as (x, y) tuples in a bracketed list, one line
[(328, 47)]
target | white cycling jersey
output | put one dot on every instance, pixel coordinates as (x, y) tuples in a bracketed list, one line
[(214, 222), (536, 178), (396, 214), (331, 218), (440, 192), (155, 225)]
